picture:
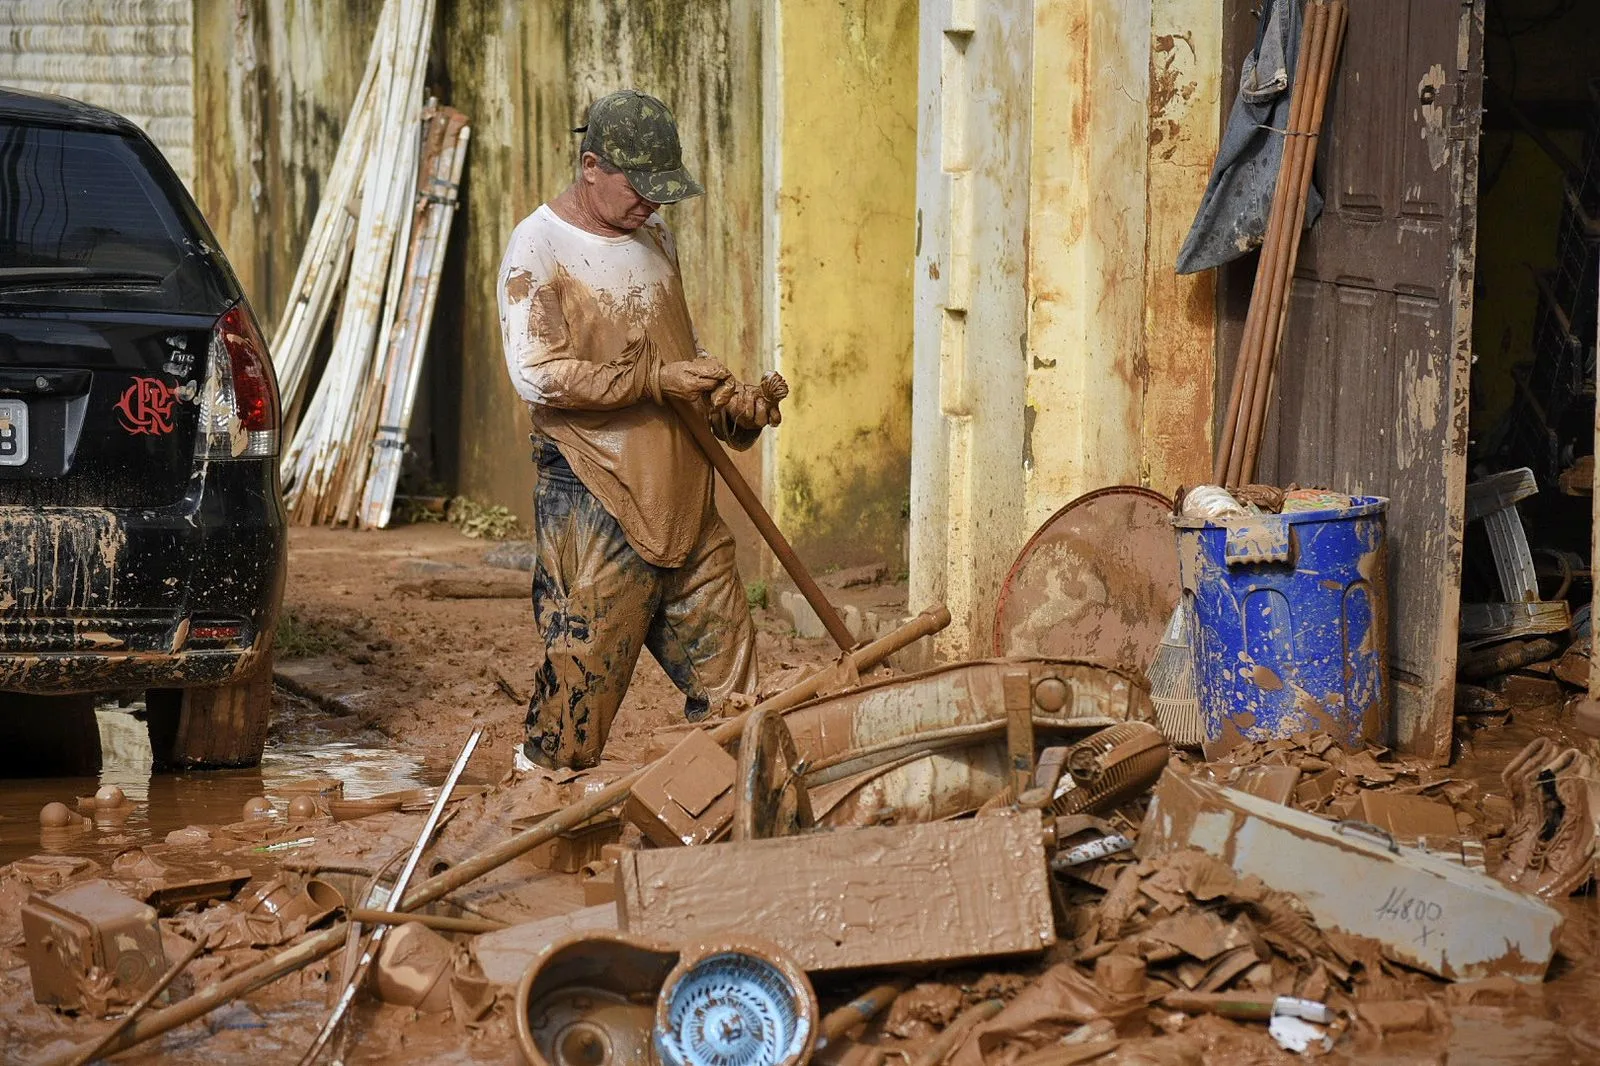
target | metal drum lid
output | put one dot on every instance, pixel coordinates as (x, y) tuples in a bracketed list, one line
[(735, 1004), (1096, 583)]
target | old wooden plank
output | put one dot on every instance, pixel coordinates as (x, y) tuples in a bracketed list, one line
[(863, 897)]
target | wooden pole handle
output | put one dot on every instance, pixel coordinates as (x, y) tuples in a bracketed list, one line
[(701, 432)]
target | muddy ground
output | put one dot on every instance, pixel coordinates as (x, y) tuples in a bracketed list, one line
[(381, 682), (374, 647)]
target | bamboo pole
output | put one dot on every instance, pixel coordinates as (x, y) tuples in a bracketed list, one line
[(387, 184), (1338, 15), (1250, 344), (1280, 232), (410, 345), (328, 940)]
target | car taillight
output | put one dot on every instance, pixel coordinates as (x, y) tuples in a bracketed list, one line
[(239, 402)]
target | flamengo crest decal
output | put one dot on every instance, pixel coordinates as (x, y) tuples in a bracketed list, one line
[(147, 407)]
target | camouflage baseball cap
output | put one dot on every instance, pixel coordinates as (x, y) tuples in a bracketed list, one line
[(637, 134)]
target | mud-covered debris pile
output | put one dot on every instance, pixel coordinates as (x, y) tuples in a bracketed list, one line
[(1418, 804)]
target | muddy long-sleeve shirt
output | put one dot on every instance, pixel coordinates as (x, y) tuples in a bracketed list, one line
[(588, 321)]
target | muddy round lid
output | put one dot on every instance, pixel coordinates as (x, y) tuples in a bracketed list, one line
[(734, 1006), (1097, 582)]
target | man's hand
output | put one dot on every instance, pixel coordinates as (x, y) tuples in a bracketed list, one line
[(691, 379), (752, 406)]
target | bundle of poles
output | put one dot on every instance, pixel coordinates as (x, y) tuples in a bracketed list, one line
[(1240, 445), (375, 251)]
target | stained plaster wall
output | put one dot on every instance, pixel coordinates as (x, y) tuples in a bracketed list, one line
[(274, 82), (1056, 352), (842, 111)]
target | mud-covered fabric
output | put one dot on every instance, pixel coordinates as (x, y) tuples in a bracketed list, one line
[(588, 321), (1232, 219), (596, 603)]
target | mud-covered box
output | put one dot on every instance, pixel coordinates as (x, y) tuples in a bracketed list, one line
[(91, 947)]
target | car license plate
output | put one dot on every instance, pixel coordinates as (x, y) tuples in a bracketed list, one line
[(13, 433)]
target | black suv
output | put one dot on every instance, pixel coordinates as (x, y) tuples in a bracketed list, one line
[(142, 529)]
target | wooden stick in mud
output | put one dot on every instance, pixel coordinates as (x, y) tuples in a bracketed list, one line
[(957, 1031), (91, 1050), (327, 941), (764, 524), (865, 1007), (443, 923)]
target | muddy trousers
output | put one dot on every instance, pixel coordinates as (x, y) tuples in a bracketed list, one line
[(596, 602)]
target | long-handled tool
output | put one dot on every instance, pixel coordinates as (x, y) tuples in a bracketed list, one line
[(764, 524)]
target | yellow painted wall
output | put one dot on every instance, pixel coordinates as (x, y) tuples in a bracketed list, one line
[(845, 197)]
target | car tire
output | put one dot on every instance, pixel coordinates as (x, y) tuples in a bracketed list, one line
[(48, 736), (223, 727)]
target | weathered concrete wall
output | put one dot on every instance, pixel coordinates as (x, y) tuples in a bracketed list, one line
[(842, 190), (274, 81), (1125, 127), (1087, 237), (1107, 377)]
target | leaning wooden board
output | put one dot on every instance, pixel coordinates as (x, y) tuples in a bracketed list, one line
[(883, 896)]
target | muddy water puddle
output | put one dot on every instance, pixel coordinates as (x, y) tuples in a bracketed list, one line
[(160, 803)]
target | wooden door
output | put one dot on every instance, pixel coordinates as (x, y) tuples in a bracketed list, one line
[(1372, 381)]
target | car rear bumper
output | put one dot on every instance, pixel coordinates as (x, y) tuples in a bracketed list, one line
[(64, 672), (95, 599)]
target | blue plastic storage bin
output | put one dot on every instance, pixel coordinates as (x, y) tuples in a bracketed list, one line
[(1289, 623)]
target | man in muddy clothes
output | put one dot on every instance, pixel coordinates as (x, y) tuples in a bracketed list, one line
[(628, 548)]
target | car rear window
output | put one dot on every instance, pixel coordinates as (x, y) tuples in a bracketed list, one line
[(85, 222)]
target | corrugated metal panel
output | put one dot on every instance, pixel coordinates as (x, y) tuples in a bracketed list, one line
[(133, 56)]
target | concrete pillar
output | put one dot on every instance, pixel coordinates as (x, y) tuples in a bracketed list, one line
[(1086, 252), (1184, 121), (971, 308), (1063, 148)]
